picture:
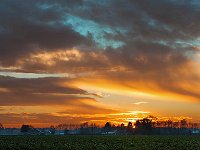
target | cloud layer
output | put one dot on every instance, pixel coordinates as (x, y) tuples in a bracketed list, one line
[(137, 46)]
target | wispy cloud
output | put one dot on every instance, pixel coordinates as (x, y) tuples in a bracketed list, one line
[(139, 103)]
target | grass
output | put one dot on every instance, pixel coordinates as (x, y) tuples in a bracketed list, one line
[(98, 142)]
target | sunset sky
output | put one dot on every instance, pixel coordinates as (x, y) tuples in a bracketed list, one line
[(71, 61)]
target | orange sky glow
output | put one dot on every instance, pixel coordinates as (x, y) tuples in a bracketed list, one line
[(84, 61)]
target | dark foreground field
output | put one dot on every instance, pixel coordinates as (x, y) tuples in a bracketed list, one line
[(100, 142)]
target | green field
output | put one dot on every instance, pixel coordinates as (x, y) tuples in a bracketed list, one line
[(100, 142)]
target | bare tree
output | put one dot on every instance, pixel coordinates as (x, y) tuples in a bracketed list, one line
[(1, 126), (183, 123)]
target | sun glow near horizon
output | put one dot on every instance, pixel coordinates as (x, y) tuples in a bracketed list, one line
[(66, 62)]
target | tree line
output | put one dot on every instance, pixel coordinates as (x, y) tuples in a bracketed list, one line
[(148, 125)]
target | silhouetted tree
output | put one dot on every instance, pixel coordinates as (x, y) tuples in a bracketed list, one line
[(107, 127), (93, 126), (130, 125), (85, 125), (122, 125), (183, 123), (130, 128), (144, 126), (52, 130), (121, 129), (169, 123), (175, 125), (84, 129), (26, 128), (1, 126)]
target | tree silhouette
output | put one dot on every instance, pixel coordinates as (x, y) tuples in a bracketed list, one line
[(144, 126), (52, 130), (130, 125), (130, 128), (26, 128), (1, 126), (183, 123), (169, 123), (85, 125), (107, 127), (122, 125)]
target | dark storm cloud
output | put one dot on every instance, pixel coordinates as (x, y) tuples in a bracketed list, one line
[(27, 26), (39, 85), (42, 91), (155, 18), (139, 56), (182, 16), (154, 34)]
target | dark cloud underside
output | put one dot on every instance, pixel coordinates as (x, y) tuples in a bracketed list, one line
[(42, 91), (153, 42)]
